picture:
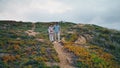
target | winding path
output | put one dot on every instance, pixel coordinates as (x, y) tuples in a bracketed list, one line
[(32, 32), (65, 58)]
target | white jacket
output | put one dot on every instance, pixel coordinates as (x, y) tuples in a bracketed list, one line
[(51, 29)]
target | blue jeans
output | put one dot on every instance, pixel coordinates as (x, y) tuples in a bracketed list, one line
[(57, 36)]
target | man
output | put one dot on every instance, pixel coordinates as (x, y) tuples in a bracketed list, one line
[(57, 32), (51, 33)]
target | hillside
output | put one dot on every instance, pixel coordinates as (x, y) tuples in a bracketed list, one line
[(26, 45)]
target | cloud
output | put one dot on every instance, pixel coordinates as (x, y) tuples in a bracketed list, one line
[(100, 12), (51, 6), (21, 9)]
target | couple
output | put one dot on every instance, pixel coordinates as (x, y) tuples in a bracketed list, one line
[(54, 32)]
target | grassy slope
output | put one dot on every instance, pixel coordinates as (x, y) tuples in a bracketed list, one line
[(21, 50), (103, 50)]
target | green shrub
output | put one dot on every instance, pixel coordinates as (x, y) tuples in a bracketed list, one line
[(42, 65), (71, 37), (3, 65), (81, 65)]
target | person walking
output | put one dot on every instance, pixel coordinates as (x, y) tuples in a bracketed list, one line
[(51, 33), (57, 32)]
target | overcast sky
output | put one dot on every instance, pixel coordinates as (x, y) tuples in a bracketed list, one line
[(100, 12)]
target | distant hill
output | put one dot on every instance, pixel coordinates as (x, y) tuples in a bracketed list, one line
[(90, 46)]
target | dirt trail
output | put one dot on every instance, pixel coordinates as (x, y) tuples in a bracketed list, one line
[(31, 32), (65, 58)]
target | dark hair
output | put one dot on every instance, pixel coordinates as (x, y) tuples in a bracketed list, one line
[(56, 23), (50, 24)]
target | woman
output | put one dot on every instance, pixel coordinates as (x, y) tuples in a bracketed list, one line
[(51, 33)]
